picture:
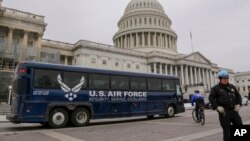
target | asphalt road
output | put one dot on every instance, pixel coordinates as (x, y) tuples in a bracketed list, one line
[(180, 128)]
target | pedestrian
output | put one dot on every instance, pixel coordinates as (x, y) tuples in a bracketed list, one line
[(198, 99), (225, 98)]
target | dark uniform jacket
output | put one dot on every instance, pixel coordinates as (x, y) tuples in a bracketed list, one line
[(226, 96)]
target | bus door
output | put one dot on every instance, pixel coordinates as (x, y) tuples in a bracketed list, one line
[(18, 94)]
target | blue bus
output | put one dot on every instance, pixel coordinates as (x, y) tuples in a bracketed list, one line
[(55, 95)]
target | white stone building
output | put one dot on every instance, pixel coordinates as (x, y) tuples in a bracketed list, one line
[(242, 82), (144, 42)]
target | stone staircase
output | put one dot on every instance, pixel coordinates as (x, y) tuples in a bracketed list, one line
[(4, 108)]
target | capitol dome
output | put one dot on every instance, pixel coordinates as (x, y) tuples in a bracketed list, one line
[(136, 5), (145, 27)]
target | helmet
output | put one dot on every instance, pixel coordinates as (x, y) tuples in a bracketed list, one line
[(196, 91), (223, 74)]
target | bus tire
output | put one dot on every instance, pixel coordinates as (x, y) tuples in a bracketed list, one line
[(58, 118), (170, 111), (80, 117)]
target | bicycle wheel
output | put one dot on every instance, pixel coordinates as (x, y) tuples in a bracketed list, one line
[(194, 116), (202, 117)]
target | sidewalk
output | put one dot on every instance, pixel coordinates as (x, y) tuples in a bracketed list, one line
[(3, 118)]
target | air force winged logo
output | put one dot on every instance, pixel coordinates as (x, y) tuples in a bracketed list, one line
[(70, 93)]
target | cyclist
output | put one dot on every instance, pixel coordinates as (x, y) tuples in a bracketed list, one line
[(198, 99)]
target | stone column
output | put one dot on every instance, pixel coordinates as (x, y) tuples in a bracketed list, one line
[(199, 74), (176, 70), (143, 39), (186, 74), (155, 68), (118, 40), (137, 39), (167, 40), (25, 39), (195, 76), (163, 40), (211, 78), (125, 42), (171, 69), (38, 46), (160, 67), (207, 78), (66, 60), (166, 69), (160, 40), (128, 41), (154, 42), (216, 78), (122, 41), (10, 34), (131, 40), (203, 75), (170, 42), (148, 39), (182, 75), (191, 75), (175, 45)]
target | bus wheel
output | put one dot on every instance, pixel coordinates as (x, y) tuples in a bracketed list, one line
[(58, 118), (170, 111), (80, 117)]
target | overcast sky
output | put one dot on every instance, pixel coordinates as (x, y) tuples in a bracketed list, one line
[(220, 28)]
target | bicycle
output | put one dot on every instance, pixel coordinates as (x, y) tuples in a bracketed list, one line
[(201, 115)]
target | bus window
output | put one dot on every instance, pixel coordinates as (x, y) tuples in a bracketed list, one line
[(98, 81), (73, 78), (137, 83), (168, 85), (119, 83), (154, 84), (46, 79)]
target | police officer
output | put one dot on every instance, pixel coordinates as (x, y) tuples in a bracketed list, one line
[(225, 98)]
